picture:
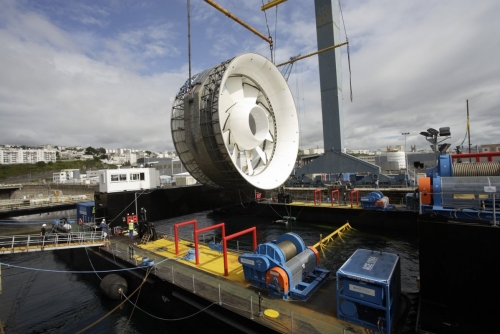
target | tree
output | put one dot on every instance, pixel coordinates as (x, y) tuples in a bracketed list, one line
[(90, 151), (40, 164)]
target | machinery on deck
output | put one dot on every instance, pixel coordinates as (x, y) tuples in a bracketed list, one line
[(459, 190), (368, 289), (375, 200), (286, 267)]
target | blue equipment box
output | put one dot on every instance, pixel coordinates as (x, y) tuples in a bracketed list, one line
[(368, 289)]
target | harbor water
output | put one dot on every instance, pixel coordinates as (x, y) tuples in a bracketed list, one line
[(54, 299)]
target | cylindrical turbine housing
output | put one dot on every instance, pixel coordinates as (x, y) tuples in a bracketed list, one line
[(236, 125)]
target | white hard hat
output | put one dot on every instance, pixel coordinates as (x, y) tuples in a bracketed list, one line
[(44, 225), (104, 220)]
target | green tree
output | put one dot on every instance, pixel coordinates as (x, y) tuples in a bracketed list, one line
[(40, 164), (90, 151)]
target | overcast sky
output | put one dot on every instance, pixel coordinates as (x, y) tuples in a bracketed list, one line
[(105, 73)]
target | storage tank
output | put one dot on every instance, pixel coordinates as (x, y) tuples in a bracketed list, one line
[(398, 157)]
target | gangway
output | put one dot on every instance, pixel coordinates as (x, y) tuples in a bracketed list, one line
[(35, 243)]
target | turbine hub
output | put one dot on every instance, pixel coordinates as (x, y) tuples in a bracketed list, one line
[(249, 125)]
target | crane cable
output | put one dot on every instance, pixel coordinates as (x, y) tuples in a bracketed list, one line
[(348, 53), (275, 31), (271, 45)]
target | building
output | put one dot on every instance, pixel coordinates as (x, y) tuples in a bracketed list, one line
[(66, 176), (129, 179), (26, 156), (490, 148)]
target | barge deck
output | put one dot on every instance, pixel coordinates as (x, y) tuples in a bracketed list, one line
[(232, 292)]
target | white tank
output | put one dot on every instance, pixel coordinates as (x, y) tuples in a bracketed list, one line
[(398, 157)]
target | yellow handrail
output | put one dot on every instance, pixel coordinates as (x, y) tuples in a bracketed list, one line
[(323, 241)]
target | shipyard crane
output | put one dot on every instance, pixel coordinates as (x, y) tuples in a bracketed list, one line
[(287, 69)]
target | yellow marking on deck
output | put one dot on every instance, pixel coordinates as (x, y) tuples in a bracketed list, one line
[(271, 313), (211, 261)]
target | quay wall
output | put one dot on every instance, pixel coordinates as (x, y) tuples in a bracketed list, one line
[(53, 189)]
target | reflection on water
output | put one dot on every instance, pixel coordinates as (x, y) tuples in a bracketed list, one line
[(35, 301)]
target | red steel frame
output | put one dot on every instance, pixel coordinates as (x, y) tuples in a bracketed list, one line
[(478, 156), (336, 191), (357, 196), (176, 232), (319, 197), (234, 235), (222, 225)]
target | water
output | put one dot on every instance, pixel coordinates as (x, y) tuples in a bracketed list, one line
[(52, 302)]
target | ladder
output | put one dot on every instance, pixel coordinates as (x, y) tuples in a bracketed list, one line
[(145, 238)]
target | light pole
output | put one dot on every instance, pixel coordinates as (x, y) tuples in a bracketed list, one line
[(406, 158)]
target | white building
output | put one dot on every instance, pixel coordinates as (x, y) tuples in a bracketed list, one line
[(66, 176), (30, 156), (130, 179)]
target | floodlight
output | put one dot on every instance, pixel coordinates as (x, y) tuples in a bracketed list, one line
[(444, 132), (432, 131), (425, 133)]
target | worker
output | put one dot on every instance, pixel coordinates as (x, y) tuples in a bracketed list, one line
[(376, 184), (131, 228), (105, 228), (43, 233)]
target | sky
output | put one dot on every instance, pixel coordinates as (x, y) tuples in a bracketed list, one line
[(104, 73)]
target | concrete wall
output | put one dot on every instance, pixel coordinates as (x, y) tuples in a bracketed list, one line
[(32, 191)]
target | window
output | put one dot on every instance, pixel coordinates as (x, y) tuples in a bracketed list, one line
[(114, 178), (137, 177), (123, 177)]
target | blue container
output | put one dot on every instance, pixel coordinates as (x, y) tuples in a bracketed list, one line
[(85, 212), (368, 289)]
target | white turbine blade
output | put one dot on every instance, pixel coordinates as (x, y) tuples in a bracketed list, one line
[(250, 93), (234, 86), (261, 154), (226, 136), (269, 136), (249, 162), (234, 155)]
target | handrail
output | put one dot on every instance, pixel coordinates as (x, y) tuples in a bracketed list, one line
[(35, 242)]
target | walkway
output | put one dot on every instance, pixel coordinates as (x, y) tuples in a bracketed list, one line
[(34, 243)]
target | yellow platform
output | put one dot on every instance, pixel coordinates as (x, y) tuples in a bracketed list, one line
[(210, 260)]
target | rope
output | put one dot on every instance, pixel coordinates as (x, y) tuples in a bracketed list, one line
[(68, 271), (275, 31), (112, 220), (348, 52), (269, 33), (119, 305)]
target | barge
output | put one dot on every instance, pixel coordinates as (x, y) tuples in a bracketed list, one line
[(226, 284)]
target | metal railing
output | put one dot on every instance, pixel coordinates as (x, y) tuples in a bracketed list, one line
[(34, 242)]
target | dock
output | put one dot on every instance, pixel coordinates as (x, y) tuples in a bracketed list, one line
[(232, 293)]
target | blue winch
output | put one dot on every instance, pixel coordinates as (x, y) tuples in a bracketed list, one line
[(286, 267), (375, 200)]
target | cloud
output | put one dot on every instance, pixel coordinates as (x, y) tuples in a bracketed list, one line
[(106, 75)]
